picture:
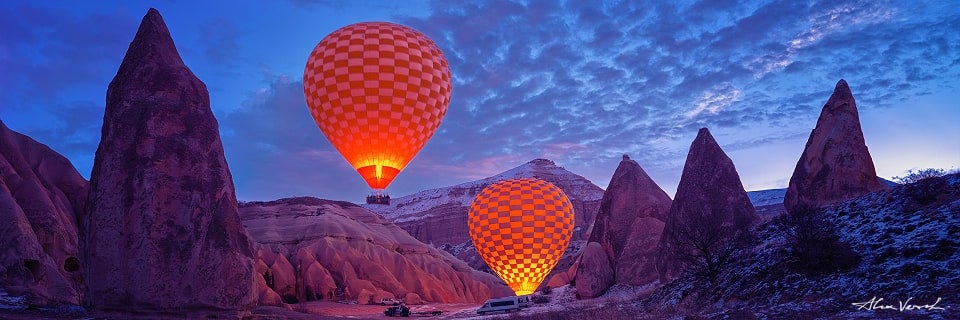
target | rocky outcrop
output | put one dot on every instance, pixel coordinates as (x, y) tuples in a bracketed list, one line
[(835, 164), (40, 195), (314, 249), (631, 198), (600, 278), (628, 226), (708, 212), (161, 230), (439, 216), (637, 264)]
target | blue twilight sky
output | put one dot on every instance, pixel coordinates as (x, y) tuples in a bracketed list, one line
[(578, 82)]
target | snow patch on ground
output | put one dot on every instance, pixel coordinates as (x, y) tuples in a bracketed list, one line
[(11, 302), (766, 197)]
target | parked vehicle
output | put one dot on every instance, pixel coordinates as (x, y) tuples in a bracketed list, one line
[(404, 311), (397, 311), (505, 304), (389, 302)]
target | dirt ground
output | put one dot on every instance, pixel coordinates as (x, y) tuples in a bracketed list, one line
[(562, 301), (334, 309)]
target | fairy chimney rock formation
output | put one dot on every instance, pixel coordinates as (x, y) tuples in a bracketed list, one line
[(835, 164), (630, 216), (161, 230), (710, 206)]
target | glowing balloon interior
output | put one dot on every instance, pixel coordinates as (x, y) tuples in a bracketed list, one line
[(378, 92), (521, 227)]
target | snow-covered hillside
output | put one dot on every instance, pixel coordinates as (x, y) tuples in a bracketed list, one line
[(766, 197), (410, 207), (439, 216), (904, 244)]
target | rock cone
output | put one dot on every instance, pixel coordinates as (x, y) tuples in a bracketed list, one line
[(161, 231), (628, 226), (709, 210), (835, 164)]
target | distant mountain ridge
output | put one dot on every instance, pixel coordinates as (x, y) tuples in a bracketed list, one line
[(439, 216), (405, 208), (767, 197)]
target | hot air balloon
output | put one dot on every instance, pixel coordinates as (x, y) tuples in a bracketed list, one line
[(378, 92), (521, 227)]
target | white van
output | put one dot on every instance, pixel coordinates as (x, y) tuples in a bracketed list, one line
[(505, 304)]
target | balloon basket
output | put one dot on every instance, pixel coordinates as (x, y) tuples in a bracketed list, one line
[(383, 199)]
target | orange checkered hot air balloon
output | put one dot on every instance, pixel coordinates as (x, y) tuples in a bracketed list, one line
[(378, 92), (521, 227)]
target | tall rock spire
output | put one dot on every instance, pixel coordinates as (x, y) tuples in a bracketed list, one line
[(161, 230), (835, 164), (709, 210)]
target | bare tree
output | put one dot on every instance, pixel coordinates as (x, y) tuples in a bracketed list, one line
[(814, 244), (703, 245)]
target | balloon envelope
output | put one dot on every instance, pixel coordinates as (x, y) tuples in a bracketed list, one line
[(378, 92), (521, 227)]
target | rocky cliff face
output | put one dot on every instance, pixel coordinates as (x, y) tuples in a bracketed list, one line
[(439, 216), (314, 249), (161, 230), (709, 209), (835, 164), (40, 195), (627, 227)]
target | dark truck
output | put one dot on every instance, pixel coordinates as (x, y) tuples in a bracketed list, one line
[(403, 311)]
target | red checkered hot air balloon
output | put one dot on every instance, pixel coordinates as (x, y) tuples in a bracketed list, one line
[(521, 227), (378, 92)]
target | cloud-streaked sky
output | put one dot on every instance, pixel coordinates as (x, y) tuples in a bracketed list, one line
[(578, 82)]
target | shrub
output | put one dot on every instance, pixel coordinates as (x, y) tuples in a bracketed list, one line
[(546, 290), (914, 175), (540, 299), (289, 299), (926, 191), (814, 244)]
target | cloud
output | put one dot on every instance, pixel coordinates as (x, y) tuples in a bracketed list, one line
[(222, 40), (47, 52), (578, 82), (623, 78), (713, 102), (276, 150)]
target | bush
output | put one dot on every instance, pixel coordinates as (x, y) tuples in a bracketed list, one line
[(914, 175), (546, 290), (814, 244), (289, 299), (927, 191), (540, 299)]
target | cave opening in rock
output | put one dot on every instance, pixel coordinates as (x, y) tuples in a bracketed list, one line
[(268, 278), (33, 266), (71, 264)]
